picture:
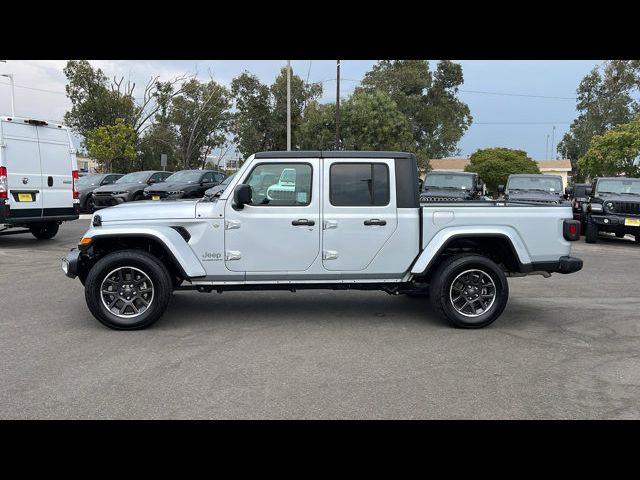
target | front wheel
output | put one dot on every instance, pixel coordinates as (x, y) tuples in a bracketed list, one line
[(592, 232), (470, 291), (44, 231), (128, 290), (91, 205)]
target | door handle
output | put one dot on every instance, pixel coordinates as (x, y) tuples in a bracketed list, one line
[(303, 221), (50, 181), (375, 221)]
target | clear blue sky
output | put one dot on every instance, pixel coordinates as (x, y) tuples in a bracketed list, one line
[(499, 120)]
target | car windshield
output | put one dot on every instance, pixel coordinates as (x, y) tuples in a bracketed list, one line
[(89, 180), (547, 184), (227, 180), (622, 186), (135, 177), (185, 176), (464, 182)]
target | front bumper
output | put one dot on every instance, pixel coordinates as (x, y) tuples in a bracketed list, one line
[(615, 223), (104, 201), (71, 262)]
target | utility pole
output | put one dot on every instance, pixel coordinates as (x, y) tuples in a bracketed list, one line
[(546, 149), (288, 105), (13, 95), (553, 134), (338, 142)]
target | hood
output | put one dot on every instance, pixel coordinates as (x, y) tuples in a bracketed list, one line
[(613, 197), (119, 187), (216, 189), (167, 187), (146, 210), (532, 196)]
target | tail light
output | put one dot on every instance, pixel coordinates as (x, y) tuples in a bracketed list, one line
[(571, 230), (75, 177), (4, 187)]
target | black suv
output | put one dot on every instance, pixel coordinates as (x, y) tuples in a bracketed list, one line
[(451, 186), (577, 194), (535, 187), (613, 206), (185, 184)]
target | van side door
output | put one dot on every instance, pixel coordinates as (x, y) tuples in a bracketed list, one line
[(57, 167)]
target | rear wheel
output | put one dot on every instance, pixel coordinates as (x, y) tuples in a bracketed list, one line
[(44, 231), (470, 291), (591, 235), (128, 290)]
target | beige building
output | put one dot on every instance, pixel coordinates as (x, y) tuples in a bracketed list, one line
[(547, 167), (87, 165)]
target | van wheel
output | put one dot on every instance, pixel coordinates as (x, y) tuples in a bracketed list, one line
[(128, 290), (470, 291), (591, 235), (44, 231)]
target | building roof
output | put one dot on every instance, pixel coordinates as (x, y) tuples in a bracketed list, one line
[(460, 163)]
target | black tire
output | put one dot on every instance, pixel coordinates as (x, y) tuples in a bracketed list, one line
[(637, 239), (155, 271), (138, 197), (90, 205), (448, 272), (619, 235), (583, 229), (591, 235), (44, 231)]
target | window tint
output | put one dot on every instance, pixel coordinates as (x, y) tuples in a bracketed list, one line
[(219, 177), (208, 178), (359, 184), (280, 184)]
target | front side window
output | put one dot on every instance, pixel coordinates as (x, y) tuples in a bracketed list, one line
[(359, 184), (280, 184)]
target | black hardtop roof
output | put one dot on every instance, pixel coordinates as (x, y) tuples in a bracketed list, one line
[(334, 154), (445, 172), (533, 175)]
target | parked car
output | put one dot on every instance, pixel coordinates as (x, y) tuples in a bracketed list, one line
[(354, 222), (613, 206), (38, 175), (128, 188), (88, 183), (537, 188), (451, 186), (218, 189), (184, 184), (577, 194)]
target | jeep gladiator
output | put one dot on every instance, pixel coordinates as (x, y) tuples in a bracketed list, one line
[(347, 220)]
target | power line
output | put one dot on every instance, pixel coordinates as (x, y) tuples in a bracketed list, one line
[(521, 123), (517, 95), (38, 89)]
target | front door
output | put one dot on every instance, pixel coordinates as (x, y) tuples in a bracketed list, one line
[(359, 211), (280, 230)]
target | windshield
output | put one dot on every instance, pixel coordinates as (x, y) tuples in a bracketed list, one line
[(135, 177), (629, 186), (547, 184), (464, 182), (89, 180), (185, 176), (227, 180), (580, 191)]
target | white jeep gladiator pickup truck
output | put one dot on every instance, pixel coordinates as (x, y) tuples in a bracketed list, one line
[(347, 220)]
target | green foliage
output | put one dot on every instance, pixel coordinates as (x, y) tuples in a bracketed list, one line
[(260, 120), (614, 153), (113, 146), (604, 100), (94, 103), (437, 118), (494, 165)]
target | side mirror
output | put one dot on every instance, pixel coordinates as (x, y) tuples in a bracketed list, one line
[(588, 191), (500, 188), (241, 196)]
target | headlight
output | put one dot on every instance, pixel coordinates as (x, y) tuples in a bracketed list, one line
[(610, 206)]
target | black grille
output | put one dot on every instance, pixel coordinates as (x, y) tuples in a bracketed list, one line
[(627, 208), (430, 198)]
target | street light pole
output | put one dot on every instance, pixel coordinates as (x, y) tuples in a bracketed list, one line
[(288, 105), (13, 95), (553, 134), (338, 105)]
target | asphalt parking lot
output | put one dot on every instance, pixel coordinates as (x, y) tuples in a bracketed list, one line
[(565, 347)]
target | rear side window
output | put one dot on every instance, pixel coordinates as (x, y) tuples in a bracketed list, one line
[(359, 184)]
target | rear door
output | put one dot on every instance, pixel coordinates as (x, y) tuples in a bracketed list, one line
[(56, 160), (359, 211), (21, 154)]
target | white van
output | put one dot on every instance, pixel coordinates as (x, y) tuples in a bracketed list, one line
[(38, 171)]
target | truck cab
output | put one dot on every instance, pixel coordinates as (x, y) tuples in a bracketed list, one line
[(451, 186), (38, 174), (345, 221)]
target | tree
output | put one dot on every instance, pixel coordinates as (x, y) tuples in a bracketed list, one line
[(494, 165), (605, 99), (113, 146), (370, 121), (200, 116), (614, 153), (260, 120), (438, 119)]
